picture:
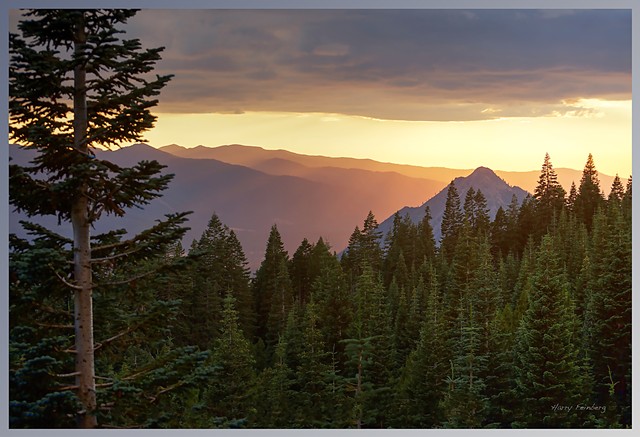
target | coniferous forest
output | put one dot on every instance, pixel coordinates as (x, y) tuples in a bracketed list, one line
[(523, 321)]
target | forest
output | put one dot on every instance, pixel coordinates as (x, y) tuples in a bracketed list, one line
[(523, 321), (520, 321)]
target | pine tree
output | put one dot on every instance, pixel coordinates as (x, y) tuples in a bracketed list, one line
[(271, 279), (451, 223), (498, 233), (464, 401), (526, 223), (74, 86), (317, 378), (499, 381), (227, 396), (589, 197), (571, 198), (626, 200), (549, 196), (281, 303), (274, 396), (421, 385), (617, 191), (426, 244), (300, 271), (547, 370), (335, 303), (608, 309), (481, 220)]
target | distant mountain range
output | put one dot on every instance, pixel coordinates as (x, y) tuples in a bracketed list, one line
[(281, 162), (251, 189)]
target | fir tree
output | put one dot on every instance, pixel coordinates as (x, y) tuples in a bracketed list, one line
[(421, 385), (74, 86), (547, 369), (300, 271), (227, 395), (451, 223), (549, 196), (608, 309), (272, 278), (617, 191), (589, 197), (426, 244)]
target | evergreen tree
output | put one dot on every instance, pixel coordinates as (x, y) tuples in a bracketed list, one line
[(421, 385), (227, 396), (526, 224), (608, 310), (335, 304), (464, 400), (513, 220), (74, 86), (589, 197), (320, 396), (451, 223), (499, 381), (272, 278), (571, 198), (400, 254), (547, 370), (281, 303), (300, 271), (549, 196), (426, 244), (274, 396), (626, 200), (617, 191), (498, 233)]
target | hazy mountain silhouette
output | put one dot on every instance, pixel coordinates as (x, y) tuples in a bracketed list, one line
[(324, 203), (257, 157), (306, 196), (253, 156)]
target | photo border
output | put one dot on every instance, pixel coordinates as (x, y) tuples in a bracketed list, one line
[(5, 6)]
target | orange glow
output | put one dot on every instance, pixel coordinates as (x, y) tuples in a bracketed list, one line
[(600, 127)]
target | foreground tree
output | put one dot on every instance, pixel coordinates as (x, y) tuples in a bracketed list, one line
[(74, 87)]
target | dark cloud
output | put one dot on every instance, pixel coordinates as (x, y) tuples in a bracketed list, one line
[(397, 64)]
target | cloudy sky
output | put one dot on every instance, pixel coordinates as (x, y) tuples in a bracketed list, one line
[(456, 88)]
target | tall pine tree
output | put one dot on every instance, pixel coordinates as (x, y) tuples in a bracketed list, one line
[(75, 86)]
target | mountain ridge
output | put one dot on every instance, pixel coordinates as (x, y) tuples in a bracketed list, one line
[(496, 190), (526, 179), (303, 201)]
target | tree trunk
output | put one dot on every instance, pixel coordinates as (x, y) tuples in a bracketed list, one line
[(83, 309)]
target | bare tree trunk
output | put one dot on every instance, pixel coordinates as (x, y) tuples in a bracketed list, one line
[(83, 311)]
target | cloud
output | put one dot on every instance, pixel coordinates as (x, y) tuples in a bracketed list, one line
[(392, 64)]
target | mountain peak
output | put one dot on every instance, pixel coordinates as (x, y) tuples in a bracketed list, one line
[(480, 171), (497, 192)]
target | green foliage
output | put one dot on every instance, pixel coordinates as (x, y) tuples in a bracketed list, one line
[(272, 281), (504, 326), (547, 370)]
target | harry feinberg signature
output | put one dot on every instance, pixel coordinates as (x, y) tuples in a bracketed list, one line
[(579, 407)]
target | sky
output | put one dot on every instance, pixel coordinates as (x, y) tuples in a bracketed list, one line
[(453, 88)]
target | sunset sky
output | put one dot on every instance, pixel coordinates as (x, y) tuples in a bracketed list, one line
[(454, 88)]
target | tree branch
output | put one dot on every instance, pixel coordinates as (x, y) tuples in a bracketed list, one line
[(51, 325), (64, 281), (111, 258), (67, 388), (51, 310), (67, 375), (168, 389), (115, 337), (126, 281)]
